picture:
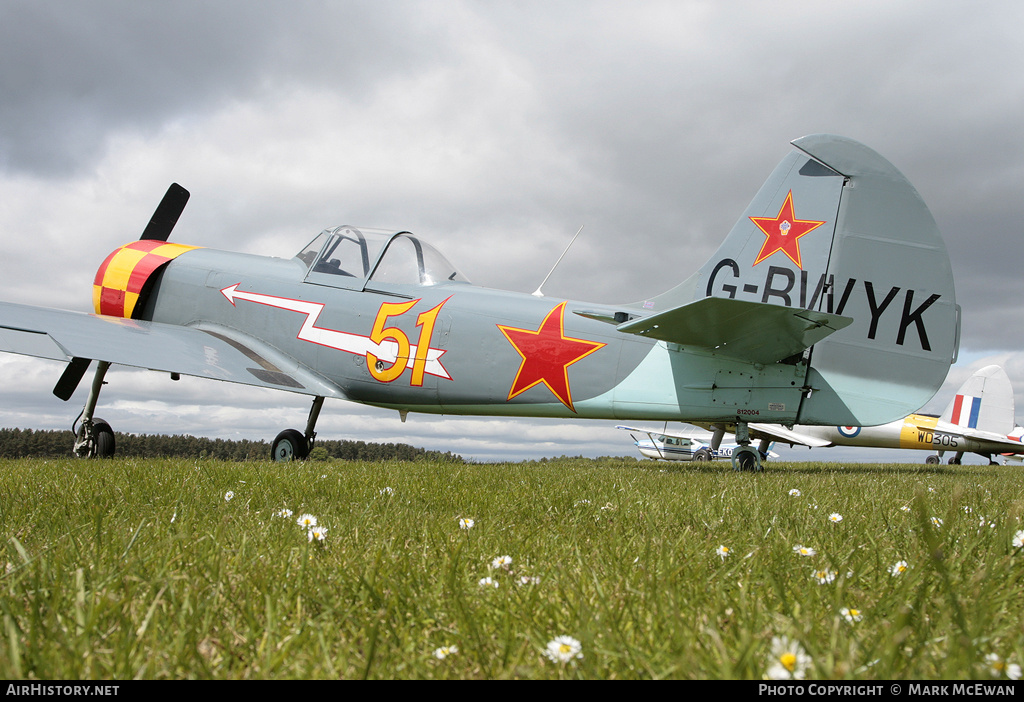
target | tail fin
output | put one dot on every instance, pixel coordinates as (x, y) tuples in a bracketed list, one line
[(837, 229), (985, 402)]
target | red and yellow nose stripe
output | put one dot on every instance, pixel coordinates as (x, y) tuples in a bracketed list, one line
[(115, 291)]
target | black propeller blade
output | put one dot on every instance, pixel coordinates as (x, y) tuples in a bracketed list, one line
[(167, 213)]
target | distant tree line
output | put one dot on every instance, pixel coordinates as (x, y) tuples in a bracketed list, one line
[(30, 443)]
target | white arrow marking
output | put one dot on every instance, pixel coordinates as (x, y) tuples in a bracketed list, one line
[(332, 338)]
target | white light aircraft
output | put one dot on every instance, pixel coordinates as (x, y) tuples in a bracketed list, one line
[(684, 446)]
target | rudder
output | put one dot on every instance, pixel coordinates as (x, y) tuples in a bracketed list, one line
[(836, 228), (984, 402)]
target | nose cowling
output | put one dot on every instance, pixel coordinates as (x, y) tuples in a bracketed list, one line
[(120, 282)]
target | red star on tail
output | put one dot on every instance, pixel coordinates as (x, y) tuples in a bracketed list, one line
[(783, 232)]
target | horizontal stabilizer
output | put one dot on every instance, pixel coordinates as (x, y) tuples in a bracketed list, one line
[(749, 331)]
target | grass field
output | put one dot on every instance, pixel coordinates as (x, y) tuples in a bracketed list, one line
[(145, 569)]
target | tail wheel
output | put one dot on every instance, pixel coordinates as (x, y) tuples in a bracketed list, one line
[(290, 445)]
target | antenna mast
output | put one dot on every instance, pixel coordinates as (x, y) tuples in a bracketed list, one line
[(537, 292)]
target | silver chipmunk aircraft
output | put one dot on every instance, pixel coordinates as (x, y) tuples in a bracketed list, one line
[(665, 445), (979, 419), (830, 302)]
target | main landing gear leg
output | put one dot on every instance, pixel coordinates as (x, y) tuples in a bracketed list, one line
[(716, 437), (290, 445), (745, 457), (94, 438)]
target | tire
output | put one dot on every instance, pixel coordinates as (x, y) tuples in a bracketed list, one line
[(933, 460), (101, 444), (702, 455), (104, 436), (289, 445), (745, 458)]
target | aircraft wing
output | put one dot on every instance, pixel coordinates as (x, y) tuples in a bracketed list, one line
[(777, 432), (749, 331), (698, 436), (64, 335)]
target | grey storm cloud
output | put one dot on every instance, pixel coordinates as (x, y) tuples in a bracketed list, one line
[(495, 130)]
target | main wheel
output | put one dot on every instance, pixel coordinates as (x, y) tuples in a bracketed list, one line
[(746, 458), (933, 460), (104, 437), (702, 455), (290, 445), (99, 445)]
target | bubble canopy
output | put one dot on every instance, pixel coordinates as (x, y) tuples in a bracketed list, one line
[(348, 256)]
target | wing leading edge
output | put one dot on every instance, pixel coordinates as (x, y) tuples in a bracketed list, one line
[(218, 354)]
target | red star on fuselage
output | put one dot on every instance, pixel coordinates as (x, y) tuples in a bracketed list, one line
[(547, 354), (783, 232)]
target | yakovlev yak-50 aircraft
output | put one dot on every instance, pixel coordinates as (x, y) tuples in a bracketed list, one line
[(831, 302), (979, 419)]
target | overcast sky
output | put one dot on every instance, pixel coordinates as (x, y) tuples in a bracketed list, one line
[(494, 130)]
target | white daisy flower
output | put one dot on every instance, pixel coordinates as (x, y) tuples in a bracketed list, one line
[(851, 615), (487, 582), (284, 513), (998, 667), (804, 550), (722, 551), (564, 649), (502, 562), (466, 523), (824, 577), (317, 533), (1018, 539), (228, 496), (445, 651), (835, 517), (795, 492), (936, 522), (306, 520), (529, 580), (899, 568), (789, 661)]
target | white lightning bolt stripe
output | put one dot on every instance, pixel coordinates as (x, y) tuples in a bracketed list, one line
[(332, 338)]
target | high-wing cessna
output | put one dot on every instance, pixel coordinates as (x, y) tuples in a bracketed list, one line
[(979, 419), (830, 302), (666, 445)]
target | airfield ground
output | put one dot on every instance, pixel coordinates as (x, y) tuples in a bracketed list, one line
[(182, 569)]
